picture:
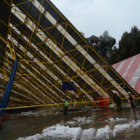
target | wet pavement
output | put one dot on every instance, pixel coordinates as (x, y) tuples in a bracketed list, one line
[(90, 124)]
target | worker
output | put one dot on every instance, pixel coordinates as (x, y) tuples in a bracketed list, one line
[(131, 101), (66, 104), (106, 102), (94, 104), (117, 100), (101, 99)]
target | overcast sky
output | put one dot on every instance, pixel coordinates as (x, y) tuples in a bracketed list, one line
[(93, 17)]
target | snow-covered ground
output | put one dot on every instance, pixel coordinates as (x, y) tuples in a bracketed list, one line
[(37, 113), (79, 121), (65, 131)]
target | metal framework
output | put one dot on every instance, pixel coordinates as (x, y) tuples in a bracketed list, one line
[(50, 50)]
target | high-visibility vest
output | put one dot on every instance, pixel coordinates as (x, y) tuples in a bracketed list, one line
[(66, 103)]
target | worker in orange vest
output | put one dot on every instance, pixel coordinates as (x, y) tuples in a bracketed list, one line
[(101, 102)]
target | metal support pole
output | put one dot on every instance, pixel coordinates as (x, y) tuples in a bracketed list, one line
[(7, 91)]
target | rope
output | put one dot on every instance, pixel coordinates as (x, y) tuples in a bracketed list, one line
[(43, 105)]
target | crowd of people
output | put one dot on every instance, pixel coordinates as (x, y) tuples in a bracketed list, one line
[(103, 102)]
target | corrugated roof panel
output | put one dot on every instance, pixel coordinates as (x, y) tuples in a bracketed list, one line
[(130, 71)]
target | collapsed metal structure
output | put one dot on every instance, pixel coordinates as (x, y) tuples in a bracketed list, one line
[(50, 51)]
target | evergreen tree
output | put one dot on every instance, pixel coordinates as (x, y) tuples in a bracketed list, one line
[(129, 45), (106, 46)]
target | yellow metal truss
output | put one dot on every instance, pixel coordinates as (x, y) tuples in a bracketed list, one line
[(40, 75)]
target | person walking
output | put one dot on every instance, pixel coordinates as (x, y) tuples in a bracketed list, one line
[(131, 99), (117, 101)]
